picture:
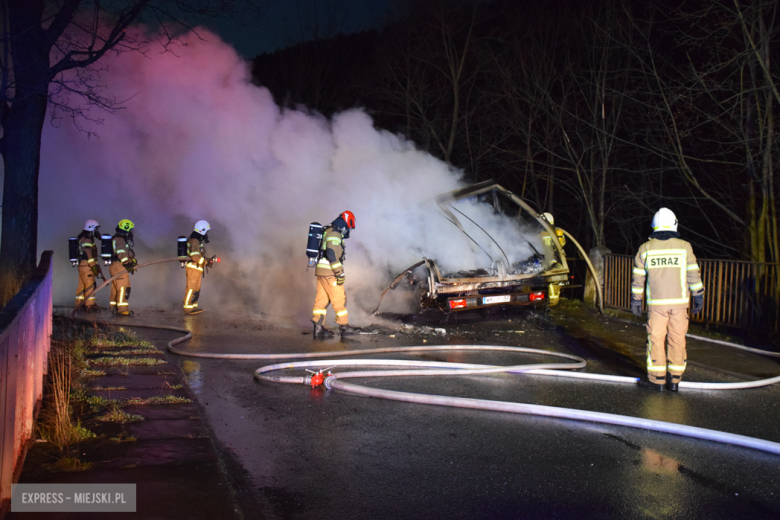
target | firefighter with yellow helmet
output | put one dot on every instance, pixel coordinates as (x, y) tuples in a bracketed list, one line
[(666, 273), (122, 261), (194, 268), (89, 269), (330, 277), (553, 289)]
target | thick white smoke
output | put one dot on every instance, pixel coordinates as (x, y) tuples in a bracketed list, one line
[(196, 140)]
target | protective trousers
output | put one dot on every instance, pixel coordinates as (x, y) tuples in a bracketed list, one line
[(328, 291), (666, 326), (86, 285), (192, 292), (120, 288), (554, 293)]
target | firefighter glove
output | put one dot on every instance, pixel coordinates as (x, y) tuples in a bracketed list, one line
[(210, 262), (130, 267), (636, 307), (95, 271), (698, 304), (340, 280)]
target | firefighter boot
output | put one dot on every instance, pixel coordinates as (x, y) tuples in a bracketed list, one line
[(319, 329), (346, 330), (651, 385)]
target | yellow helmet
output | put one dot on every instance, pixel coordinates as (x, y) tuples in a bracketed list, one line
[(125, 225)]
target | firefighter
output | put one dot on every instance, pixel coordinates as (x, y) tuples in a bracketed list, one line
[(89, 269), (330, 277), (553, 289), (666, 265), (194, 270), (122, 261)]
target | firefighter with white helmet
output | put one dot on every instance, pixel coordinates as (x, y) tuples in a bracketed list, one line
[(547, 239), (89, 269), (122, 261), (330, 277), (195, 267), (666, 274)]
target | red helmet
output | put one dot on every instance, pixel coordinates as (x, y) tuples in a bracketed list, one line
[(349, 218)]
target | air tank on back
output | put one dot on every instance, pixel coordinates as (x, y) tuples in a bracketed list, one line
[(73, 250), (181, 250), (313, 245), (106, 249)]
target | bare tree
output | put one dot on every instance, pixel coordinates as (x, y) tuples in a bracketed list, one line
[(41, 41), (713, 118), (432, 72), (567, 101)]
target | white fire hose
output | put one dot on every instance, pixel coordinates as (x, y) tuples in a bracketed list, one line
[(436, 368)]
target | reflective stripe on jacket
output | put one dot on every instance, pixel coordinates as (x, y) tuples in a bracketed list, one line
[(122, 251), (197, 253), (88, 250), (332, 257), (668, 271)]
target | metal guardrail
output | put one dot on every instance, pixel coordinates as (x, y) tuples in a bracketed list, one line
[(738, 294), (25, 340)]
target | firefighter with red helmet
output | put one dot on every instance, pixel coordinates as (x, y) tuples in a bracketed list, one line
[(89, 269), (330, 277), (122, 261), (667, 274), (197, 254)]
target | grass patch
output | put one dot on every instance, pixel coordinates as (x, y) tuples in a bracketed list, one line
[(104, 338), (96, 402), (88, 372), (71, 464), (66, 382), (123, 437), (54, 421), (167, 399), (108, 388), (118, 415), (123, 361), (133, 352)]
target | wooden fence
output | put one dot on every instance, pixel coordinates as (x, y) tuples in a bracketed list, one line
[(736, 294)]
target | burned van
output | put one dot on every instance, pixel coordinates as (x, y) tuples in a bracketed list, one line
[(521, 255)]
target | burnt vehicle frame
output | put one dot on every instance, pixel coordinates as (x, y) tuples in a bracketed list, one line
[(452, 293)]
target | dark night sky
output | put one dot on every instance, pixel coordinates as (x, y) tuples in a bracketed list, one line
[(286, 22)]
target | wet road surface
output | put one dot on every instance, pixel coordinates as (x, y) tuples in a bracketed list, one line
[(306, 453)]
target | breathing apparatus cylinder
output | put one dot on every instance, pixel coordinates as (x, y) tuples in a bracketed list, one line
[(313, 245), (106, 250), (73, 250), (181, 250)]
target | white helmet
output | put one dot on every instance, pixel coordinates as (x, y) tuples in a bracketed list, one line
[(202, 227), (549, 218), (664, 220), (90, 225)]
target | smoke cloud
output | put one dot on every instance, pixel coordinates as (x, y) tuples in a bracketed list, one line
[(196, 140)]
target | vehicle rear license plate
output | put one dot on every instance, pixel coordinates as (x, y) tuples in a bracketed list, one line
[(496, 299)]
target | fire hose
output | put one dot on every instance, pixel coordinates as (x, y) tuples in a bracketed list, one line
[(108, 281), (335, 381)]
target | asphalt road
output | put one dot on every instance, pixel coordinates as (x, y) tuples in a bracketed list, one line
[(298, 452)]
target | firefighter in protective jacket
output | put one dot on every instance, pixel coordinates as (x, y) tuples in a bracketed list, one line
[(194, 268), (666, 273), (330, 277), (553, 289), (89, 269), (122, 261)]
